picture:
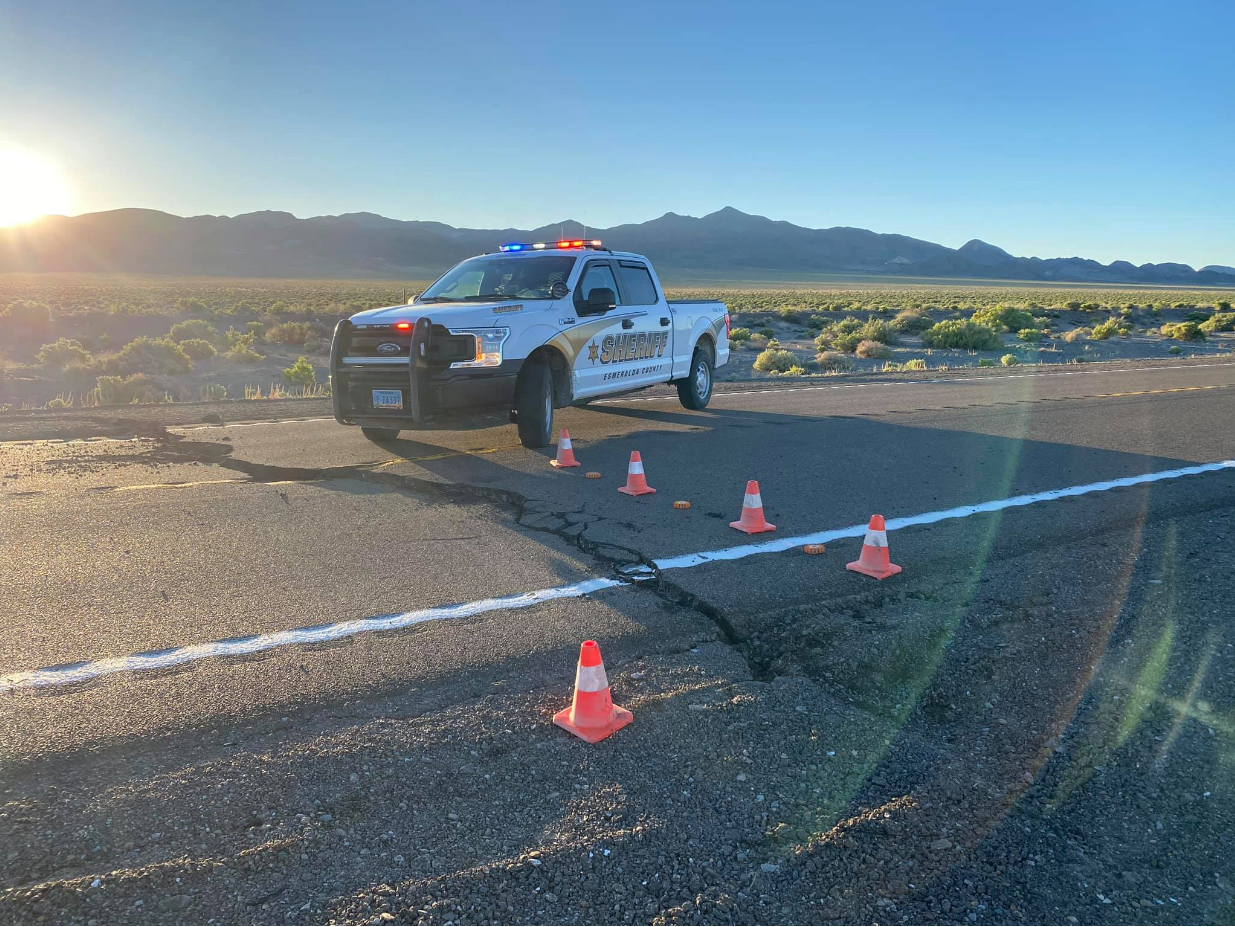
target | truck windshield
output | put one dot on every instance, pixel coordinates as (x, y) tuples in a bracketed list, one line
[(500, 278)]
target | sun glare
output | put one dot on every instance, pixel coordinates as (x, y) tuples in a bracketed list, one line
[(30, 187)]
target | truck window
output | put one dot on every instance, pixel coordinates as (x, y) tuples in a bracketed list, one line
[(493, 276), (597, 274), (637, 282)]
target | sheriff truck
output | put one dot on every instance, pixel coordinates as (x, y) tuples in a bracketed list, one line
[(528, 329)]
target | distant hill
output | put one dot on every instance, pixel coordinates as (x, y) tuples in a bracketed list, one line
[(724, 244)]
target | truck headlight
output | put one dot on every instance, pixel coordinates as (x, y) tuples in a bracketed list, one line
[(489, 343)]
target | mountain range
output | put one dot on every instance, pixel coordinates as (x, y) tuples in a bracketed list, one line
[(727, 244)]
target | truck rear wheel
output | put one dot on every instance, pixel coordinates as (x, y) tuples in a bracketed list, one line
[(379, 434), (696, 389), (534, 406)]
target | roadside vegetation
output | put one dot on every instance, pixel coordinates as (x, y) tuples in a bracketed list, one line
[(89, 340)]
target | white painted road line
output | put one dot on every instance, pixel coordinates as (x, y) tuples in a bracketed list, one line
[(927, 518), (81, 672), (175, 656), (720, 393)]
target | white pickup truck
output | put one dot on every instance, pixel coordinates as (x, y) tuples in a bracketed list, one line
[(528, 329)]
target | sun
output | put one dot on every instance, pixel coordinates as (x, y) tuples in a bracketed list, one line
[(30, 187)]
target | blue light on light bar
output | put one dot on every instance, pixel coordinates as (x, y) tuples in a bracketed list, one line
[(512, 248)]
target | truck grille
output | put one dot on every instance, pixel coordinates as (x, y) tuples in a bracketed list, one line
[(444, 348)]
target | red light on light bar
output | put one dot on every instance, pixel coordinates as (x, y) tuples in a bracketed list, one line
[(403, 326), (563, 244)]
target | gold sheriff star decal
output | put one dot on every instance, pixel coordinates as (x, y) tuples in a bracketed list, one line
[(593, 351)]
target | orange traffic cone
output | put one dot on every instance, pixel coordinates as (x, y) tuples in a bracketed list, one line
[(592, 714), (565, 453), (636, 482), (875, 560), (752, 520)]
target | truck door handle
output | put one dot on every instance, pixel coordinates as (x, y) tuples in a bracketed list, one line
[(628, 323), (664, 321)]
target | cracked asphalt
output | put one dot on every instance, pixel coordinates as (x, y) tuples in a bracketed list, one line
[(1033, 723)]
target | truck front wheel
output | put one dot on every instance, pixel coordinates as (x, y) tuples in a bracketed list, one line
[(379, 434), (534, 406), (696, 389)]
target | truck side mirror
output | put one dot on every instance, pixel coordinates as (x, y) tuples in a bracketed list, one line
[(559, 290), (601, 299)]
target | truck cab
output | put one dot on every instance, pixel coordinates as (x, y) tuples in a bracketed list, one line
[(528, 329)]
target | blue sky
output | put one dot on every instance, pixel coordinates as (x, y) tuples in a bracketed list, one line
[(1100, 129)]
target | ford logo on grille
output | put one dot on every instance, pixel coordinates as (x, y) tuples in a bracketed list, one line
[(388, 347)]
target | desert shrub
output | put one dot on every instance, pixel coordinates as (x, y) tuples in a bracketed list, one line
[(193, 330), (1009, 360), (300, 373), (985, 362), (1183, 331), (62, 352), (296, 333), (149, 355), (213, 392), (1090, 307), (243, 354), (848, 333), (1219, 322), (1030, 335), (834, 362), (122, 391), (1197, 317), (916, 363), (791, 314), (256, 329), (1175, 349), (774, 360), (873, 350), (837, 330), (63, 401), (911, 321), (198, 348), (1223, 305), (240, 348), (1072, 304), (739, 335), (1003, 318), (795, 371), (1109, 329), (27, 317), (1076, 334), (954, 333), (768, 332)]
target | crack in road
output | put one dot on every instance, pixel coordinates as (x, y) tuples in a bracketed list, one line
[(532, 515)]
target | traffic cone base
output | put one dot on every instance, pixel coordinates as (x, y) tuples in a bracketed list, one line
[(592, 715), (636, 482), (621, 718), (752, 520), (875, 560), (565, 453)]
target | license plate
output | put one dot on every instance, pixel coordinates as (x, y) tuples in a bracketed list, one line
[(387, 399)]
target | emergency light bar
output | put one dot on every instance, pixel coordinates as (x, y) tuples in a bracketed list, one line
[(565, 243)]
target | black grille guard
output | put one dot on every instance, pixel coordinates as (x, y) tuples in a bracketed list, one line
[(418, 371)]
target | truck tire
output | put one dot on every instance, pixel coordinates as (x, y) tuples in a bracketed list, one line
[(696, 389), (379, 434), (534, 406)]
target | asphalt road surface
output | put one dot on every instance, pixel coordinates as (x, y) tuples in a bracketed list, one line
[(273, 672)]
